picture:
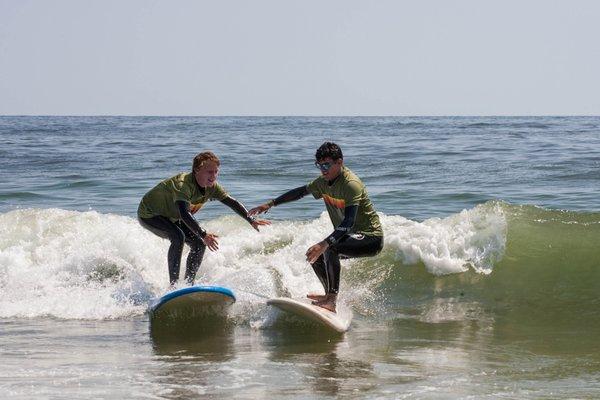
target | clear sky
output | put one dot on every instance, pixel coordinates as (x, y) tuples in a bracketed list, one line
[(309, 57)]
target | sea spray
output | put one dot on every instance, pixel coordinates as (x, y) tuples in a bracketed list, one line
[(496, 256), (473, 238), (70, 264)]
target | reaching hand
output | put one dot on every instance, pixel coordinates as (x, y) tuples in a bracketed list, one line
[(315, 251), (259, 210), (260, 222), (210, 240)]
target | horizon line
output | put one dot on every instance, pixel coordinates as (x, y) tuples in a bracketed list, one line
[(305, 115)]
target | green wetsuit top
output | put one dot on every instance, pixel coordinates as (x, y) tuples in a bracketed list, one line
[(160, 200), (347, 190)]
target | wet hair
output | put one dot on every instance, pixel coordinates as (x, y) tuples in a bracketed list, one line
[(329, 149), (203, 157)]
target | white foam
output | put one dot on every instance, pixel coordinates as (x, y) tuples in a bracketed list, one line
[(474, 238), (70, 264), (88, 265)]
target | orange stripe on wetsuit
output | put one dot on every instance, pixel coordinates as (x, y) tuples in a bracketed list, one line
[(194, 208), (337, 203)]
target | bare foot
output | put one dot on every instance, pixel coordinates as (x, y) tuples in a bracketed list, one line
[(317, 297), (328, 302), (328, 305)]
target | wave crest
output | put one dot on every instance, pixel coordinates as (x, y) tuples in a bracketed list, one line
[(87, 265)]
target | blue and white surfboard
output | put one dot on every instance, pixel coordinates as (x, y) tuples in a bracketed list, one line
[(192, 300)]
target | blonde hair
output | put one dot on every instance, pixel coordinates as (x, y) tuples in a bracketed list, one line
[(203, 157)]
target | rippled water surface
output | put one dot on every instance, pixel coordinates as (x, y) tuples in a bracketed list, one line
[(487, 287)]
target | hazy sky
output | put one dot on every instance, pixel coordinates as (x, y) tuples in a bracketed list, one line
[(280, 57)]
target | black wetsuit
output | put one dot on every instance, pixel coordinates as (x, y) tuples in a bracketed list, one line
[(342, 244), (186, 230)]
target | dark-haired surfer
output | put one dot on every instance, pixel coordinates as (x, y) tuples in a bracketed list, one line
[(357, 231)]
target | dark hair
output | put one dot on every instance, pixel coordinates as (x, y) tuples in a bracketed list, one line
[(329, 149)]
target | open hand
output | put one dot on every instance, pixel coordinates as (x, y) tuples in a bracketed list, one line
[(259, 210), (315, 251), (210, 240), (260, 222)]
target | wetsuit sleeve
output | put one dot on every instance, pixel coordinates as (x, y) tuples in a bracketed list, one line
[(292, 195), (345, 226), (188, 219), (238, 208)]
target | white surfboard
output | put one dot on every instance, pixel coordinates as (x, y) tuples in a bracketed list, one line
[(338, 321), (191, 301)]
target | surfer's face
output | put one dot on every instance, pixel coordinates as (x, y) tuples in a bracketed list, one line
[(330, 168), (207, 174)]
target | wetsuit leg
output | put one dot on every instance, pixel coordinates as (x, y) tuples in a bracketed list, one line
[(327, 267), (163, 227), (320, 269), (356, 245), (194, 258), (332, 267)]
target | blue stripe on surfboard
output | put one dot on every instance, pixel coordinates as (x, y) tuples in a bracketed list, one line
[(192, 289)]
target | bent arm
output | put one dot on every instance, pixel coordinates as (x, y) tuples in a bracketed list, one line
[(345, 226), (238, 208), (188, 219)]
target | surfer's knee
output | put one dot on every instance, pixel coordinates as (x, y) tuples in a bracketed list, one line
[(331, 250), (197, 249), (177, 237), (331, 256), (197, 244), (319, 262)]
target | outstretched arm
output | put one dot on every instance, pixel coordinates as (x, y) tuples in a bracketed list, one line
[(292, 195), (237, 207), (242, 212)]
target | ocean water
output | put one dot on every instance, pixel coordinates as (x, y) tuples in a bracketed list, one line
[(488, 285)]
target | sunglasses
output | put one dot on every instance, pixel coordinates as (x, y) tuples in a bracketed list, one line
[(324, 166)]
